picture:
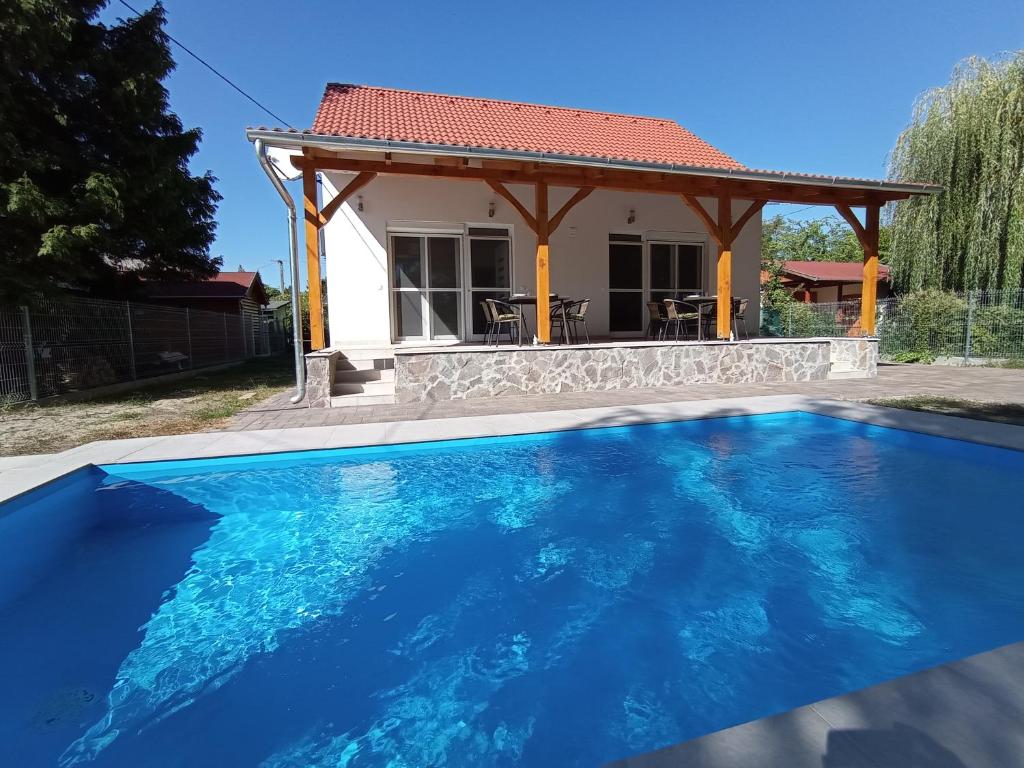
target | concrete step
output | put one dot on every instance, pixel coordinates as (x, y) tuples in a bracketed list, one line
[(363, 374), (347, 401), (365, 364), (363, 388)]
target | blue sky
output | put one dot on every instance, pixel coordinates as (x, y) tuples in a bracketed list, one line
[(819, 87)]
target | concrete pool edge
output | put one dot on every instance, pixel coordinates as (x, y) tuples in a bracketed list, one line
[(19, 475), (963, 713)]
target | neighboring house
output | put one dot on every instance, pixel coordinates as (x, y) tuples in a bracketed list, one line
[(231, 292), (818, 282)]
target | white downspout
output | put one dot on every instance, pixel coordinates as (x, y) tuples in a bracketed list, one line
[(293, 260)]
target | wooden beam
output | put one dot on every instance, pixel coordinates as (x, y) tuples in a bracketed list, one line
[(655, 182), (724, 288), (754, 208), (854, 222), (869, 280), (580, 194), (354, 185), (504, 192), (543, 272), (312, 216), (709, 223)]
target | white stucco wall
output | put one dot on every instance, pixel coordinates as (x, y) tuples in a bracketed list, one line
[(355, 244)]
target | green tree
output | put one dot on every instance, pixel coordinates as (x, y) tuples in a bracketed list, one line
[(967, 136), (825, 239), (95, 189)]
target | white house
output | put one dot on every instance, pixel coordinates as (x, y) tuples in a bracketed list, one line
[(418, 206)]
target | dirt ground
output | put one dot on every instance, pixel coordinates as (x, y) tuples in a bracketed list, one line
[(199, 404)]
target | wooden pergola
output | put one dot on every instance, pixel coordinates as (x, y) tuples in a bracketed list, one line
[(585, 175)]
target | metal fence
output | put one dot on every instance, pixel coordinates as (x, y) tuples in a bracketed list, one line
[(977, 327), (56, 347)]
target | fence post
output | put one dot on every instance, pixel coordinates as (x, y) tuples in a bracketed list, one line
[(789, 320), (225, 316), (30, 355), (967, 332), (188, 338), (131, 338)]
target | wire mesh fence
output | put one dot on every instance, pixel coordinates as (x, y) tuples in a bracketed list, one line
[(973, 328), (75, 344)]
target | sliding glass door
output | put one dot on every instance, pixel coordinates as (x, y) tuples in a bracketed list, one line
[(426, 286), (626, 311), (489, 273), (676, 269)]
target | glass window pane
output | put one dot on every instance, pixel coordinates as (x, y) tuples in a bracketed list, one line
[(626, 311), (489, 263), (661, 265), (408, 262), (444, 313), (488, 231), (443, 253), (479, 323), (625, 266), (660, 296), (691, 268), (408, 313), (614, 238)]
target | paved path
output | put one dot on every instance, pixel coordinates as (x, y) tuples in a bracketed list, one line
[(982, 384)]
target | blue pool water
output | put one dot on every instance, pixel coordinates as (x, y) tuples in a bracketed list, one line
[(548, 600)]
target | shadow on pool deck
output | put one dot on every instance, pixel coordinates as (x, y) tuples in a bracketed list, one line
[(966, 713)]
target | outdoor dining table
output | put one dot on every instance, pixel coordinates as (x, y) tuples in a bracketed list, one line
[(699, 301), (523, 301)]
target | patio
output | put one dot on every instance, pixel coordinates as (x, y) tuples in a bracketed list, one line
[(976, 384)]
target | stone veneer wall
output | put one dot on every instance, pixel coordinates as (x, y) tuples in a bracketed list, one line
[(456, 373), (320, 367)]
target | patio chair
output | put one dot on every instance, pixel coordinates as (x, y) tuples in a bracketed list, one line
[(575, 314), (739, 310), (679, 314), (488, 319), (656, 319), (503, 315)]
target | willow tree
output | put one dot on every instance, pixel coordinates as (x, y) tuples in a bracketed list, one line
[(967, 136)]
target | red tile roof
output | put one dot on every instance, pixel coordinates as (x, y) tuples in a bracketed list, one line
[(224, 285), (369, 112), (829, 271)]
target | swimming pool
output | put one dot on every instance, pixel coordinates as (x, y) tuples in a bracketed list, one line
[(546, 600)]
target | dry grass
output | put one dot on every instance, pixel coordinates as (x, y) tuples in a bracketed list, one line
[(199, 404), (1006, 413)]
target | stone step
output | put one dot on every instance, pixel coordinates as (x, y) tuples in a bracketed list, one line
[(363, 388), (363, 374), (347, 401), (365, 364)]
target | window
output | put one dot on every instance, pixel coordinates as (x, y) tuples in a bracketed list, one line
[(625, 284)]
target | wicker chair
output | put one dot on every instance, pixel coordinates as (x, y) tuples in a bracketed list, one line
[(678, 314), (503, 316), (575, 313), (656, 319), (739, 311), (488, 319)]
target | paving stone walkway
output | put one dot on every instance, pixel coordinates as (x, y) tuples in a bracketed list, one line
[(980, 384)]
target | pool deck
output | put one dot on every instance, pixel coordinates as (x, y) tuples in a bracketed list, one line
[(966, 714), (21, 474)]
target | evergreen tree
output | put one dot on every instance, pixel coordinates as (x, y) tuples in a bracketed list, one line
[(95, 189), (969, 137)]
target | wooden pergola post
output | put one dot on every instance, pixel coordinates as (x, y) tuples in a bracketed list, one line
[(724, 286), (867, 234), (543, 272), (312, 216)]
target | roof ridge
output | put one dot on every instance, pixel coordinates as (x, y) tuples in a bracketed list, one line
[(507, 101)]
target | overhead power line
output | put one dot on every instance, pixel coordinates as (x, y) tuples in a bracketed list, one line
[(210, 67)]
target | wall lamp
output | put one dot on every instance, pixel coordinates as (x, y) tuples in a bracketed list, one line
[(490, 209), (631, 217)]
